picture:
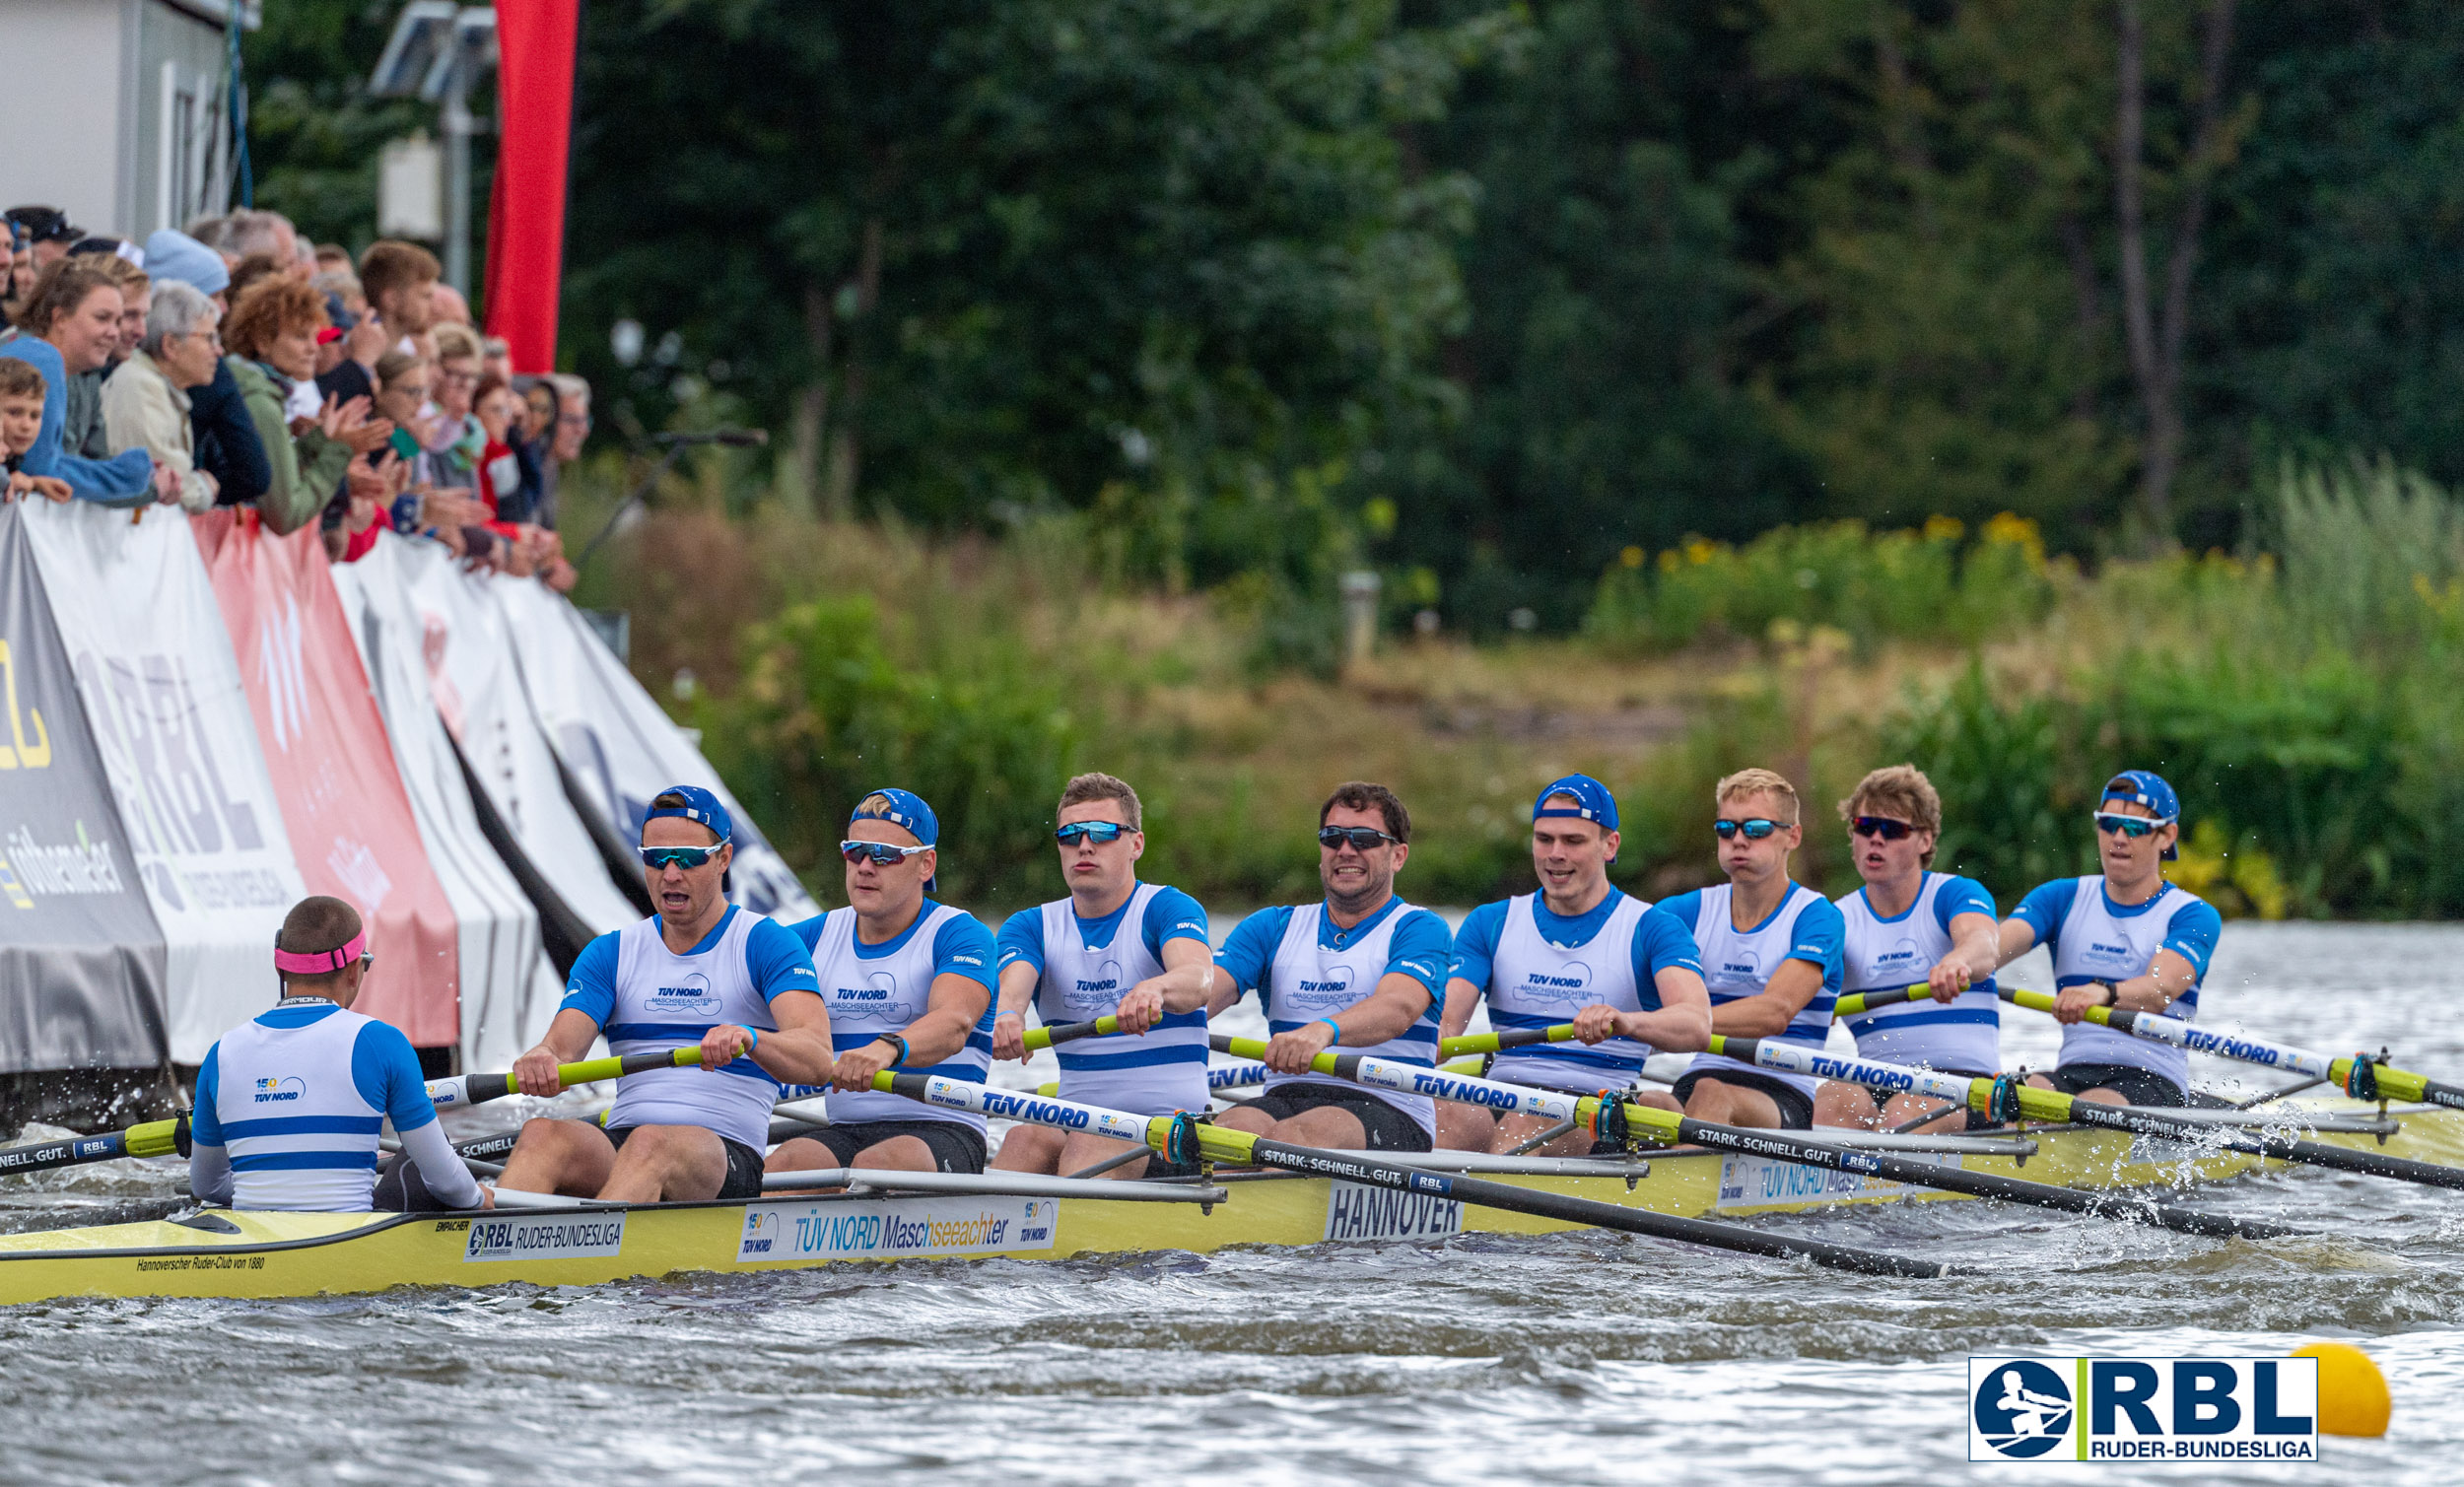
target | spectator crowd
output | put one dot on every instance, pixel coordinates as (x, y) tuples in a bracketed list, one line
[(236, 364)]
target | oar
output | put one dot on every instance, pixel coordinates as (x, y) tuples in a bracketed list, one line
[(150, 1138), (2360, 1076), (1222, 1076), (1604, 1117), (1047, 1036), (1184, 1140), (479, 1089), (2003, 1097), (1498, 1043)]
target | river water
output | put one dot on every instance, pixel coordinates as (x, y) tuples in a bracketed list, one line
[(1577, 1358)]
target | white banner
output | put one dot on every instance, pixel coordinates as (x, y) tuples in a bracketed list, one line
[(162, 687), (620, 747), (468, 648), (508, 989)]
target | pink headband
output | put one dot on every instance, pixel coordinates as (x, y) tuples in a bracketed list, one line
[(320, 962)]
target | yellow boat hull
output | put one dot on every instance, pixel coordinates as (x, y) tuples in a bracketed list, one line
[(281, 1255)]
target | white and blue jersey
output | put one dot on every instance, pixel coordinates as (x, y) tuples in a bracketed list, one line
[(1537, 969), (1885, 954), (873, 990), (645, 998), (297, 1098), (1084, 965), (1304, 967), (1740, 962), (2091, 938)]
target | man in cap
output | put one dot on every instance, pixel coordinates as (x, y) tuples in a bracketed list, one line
[(1579, 951), (290, 1105), (2123, 937), (910, 983), (699, 971)]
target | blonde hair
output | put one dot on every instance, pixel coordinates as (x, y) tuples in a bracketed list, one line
[(1099, 786), (455, 342), (1902, 791), (1756, 782)]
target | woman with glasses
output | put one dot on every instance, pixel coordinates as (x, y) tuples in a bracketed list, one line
[(1770, 959), (1909, 924), (290, 1104), (910, 986), (1111, 947), (146, 402), (699, 971), (2123, 937), (1362, 969)]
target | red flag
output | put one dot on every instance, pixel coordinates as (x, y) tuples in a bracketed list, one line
[(342, 799), (526, 213)]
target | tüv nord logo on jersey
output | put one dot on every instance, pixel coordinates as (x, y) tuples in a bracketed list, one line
[(877, 998), (1329, 989), (693, 996), (1569, 983), (283, 1091), (2143, 1410), (1099, 991)]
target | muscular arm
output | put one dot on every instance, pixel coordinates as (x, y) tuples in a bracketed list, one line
[(1221, 993), (1387, 1012), (1461, 996), (1768, 1013), (1009, 1023), (569, 1038), (1975, 953), (2016, 938), (1682, 1022), (798, 1052), (1188, 975)]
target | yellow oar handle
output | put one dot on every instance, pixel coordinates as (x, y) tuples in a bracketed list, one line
[(154, 1138), (1498, 1043), (1861, 1002), (1105, 1026)]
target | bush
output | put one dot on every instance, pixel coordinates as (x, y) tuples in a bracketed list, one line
[(1873, 587)]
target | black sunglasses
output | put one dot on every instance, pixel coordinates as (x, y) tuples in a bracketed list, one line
[(1880, 826), (1361, 837), (1755, 830)]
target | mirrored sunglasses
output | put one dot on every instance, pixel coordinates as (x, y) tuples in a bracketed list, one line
[(681, 856), (1096, 831), (1883, 827), (1755, 830), (881, 853), (2133, 826)]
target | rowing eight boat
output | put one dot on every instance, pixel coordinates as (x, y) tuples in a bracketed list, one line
[(223, 1253)]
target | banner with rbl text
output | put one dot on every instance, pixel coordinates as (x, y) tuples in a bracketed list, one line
[(2143, 1410)]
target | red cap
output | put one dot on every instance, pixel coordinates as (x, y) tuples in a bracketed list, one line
[(329, 336)]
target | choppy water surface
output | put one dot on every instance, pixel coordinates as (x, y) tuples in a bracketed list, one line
[(1576, 1358)]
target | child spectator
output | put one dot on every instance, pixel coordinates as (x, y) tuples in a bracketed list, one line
[(21, 420)]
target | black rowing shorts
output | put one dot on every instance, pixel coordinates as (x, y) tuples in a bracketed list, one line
[(1388, 1128), (955, 1147), (1977, 1119), (1796, 1107), (2136, 1086), (744, 1166)]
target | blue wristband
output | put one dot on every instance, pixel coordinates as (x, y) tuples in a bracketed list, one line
[(1332, 1028), (754, 1033)]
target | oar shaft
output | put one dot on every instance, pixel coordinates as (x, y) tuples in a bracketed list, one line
[(1498, 1043), (1856, 1003), (152, 1139), (479, 1089), (1105, 1026)]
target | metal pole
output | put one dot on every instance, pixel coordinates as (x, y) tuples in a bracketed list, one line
[(458, 131)]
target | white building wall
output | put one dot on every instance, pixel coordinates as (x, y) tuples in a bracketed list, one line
[(61, 69)]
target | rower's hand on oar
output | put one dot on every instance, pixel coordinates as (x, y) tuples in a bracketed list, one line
[(856, 1066), (1141, 1006), (1947, 980), (534, 1073), (1009, 1036), (722, 1044), (2074, 1001), (1597, 1025), (1290, 1053)]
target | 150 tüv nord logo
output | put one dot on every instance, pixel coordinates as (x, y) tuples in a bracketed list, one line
[(2143, 1410)]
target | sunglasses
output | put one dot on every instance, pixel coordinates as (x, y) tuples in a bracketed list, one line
[(1096, 831), (881, 853), (662, 858), (2133, 826), (1361, 837), (1754, 830), (1880, 826)]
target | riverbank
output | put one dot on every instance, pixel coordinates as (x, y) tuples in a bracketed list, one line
[(2304, 701)]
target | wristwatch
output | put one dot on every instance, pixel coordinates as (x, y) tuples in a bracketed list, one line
[(2112, 993), (893, 1038)]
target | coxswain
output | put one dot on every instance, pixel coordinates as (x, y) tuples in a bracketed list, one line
[(1771, 959), (291, 1105), (699, 971), (2124, 937), (1116, 947), (1909, 924), (1621, 969), (1362, 969), (910, 983)]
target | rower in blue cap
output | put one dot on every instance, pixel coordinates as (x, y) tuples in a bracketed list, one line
[(699, 971), (909, 984), (2123, 937), (1580, 950)]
